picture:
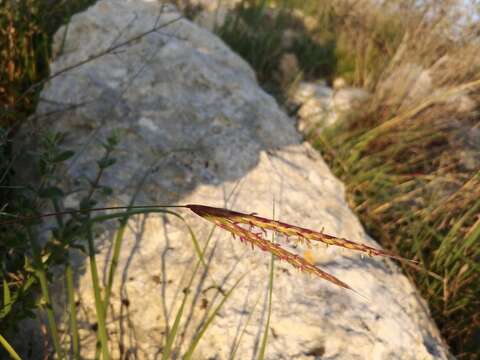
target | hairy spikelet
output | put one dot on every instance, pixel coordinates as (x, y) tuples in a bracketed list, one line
[(303, 235), (257, 227)]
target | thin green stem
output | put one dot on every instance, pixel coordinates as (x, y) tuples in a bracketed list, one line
[(188, 355), (70, 212), (201, 260), (42, 278), (11, 351), (73, 311), (114, 263), (100, 311), (75, 342), (118, 244), (172, 334), (263, 347)]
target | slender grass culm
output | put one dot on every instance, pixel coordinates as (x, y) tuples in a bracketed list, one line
[(263, 346)]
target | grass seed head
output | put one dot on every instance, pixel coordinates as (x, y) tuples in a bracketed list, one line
[(252, 229)]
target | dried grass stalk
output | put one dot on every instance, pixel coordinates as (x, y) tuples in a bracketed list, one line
[(257, 227)]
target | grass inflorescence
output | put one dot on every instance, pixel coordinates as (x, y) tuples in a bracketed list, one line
[(254, 232)]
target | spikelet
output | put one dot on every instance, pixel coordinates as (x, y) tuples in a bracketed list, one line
[(303, 235), (232, 221)]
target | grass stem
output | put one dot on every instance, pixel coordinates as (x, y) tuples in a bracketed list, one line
[(11, 351), (41, 275), (99, 307), (263, 347), (73, 311)]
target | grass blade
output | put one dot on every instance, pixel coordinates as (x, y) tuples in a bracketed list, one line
[(100, 311), (198, 337), (13, 354), (7, 299), (263, 347), (73, 311), (41, 275), (173, 332), (201, 260)]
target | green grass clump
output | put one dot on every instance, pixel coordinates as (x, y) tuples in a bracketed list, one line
[(263, 35), (413, 194), (26, 31)]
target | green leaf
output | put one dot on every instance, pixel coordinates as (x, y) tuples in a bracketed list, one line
[(63, 156), (263, 347), (106, 190), (106, 162), (42, 166), (86, 204), (51, 192), (112, 141), (57, 138)]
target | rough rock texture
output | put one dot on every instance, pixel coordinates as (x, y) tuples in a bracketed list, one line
[(322, 106), (184, 104)]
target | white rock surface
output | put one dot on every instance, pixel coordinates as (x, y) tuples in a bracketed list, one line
[(339, 83), (183, 103), (350, 99)]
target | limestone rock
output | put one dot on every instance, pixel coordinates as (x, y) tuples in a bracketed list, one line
[(350, 99), (339, 83), (183, 104), (320, 106)]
